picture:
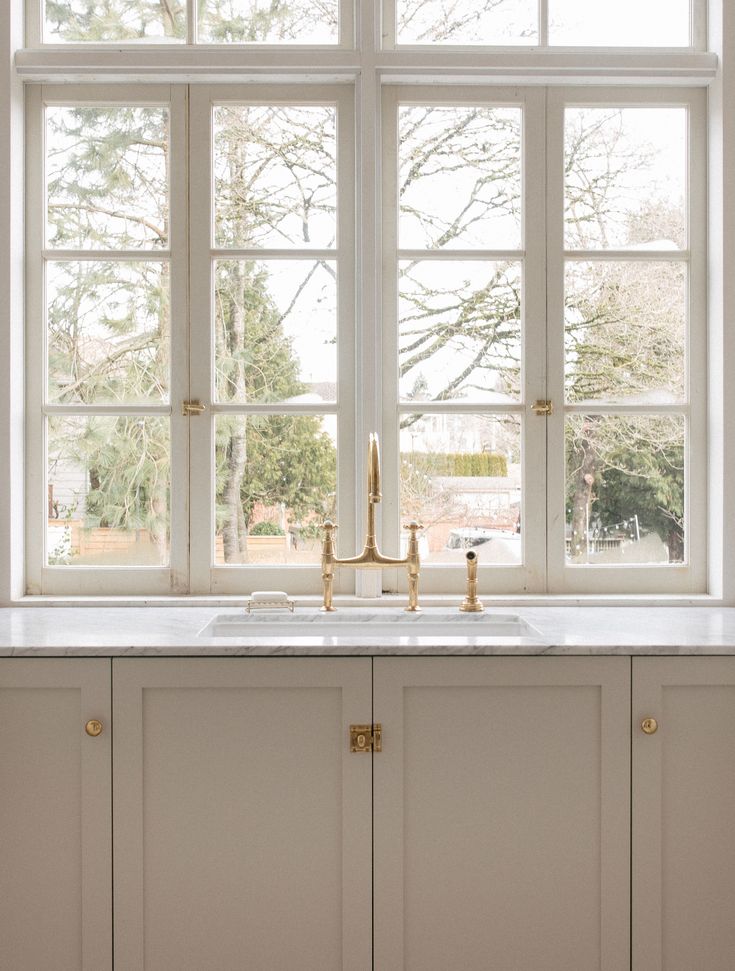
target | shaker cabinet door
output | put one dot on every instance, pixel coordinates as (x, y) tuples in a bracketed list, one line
[(55, 824), (242, 827), (683, 813), (502, 814)]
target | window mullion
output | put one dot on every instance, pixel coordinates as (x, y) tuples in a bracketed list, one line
[(201, 429)]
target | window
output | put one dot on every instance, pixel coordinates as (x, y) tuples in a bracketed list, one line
[(364, 249)]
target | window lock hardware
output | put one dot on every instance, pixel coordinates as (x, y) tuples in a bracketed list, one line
[(543, 408), (192, 408), (366, 738)]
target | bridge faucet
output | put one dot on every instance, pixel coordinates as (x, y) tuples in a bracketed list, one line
[(371, 558)]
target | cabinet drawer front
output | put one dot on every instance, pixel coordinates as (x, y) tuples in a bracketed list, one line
[(242, 821), (683, 812), (55, 824), (502, 814)]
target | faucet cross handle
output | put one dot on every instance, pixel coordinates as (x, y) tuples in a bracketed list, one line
[(414, 526)]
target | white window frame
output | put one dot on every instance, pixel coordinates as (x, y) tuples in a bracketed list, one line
[(697, 32), (206, 576), (529, 575), (34, 25), (68, 580), (690, 576), (710, 65)]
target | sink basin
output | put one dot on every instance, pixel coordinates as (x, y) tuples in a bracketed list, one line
[(371, 624)]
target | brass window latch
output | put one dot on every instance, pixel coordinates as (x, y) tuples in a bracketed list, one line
[(366, 738), (190, 409), (543, 408)]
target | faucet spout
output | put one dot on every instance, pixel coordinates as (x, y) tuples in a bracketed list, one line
[(374, 493)]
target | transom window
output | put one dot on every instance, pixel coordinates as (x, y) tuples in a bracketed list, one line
[(229, 285)]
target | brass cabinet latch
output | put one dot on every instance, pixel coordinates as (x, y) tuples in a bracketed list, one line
[(366, 738), (192, 408), (543, 408)]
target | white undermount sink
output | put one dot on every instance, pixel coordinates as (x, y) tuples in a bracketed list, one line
[(384, 622)]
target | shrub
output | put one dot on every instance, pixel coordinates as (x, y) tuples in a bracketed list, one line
[(266, 528)]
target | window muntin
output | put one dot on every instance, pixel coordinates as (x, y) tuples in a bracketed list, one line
[(108, 334), (462, 349), (626, 325)]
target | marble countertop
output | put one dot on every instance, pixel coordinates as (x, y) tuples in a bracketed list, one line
[(565, 630)]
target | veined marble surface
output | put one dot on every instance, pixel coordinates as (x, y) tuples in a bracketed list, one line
[(114, 631)]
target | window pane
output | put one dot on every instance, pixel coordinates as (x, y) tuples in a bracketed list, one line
[(626, 172), (461, 478), (106, 177), (626, 23), (276, 330), (625, 489), (109, 483), (266, 22), (625, 331), (275, 176), (108, 331), (115, 20), (459, 180), (459, 330), (276, 483), (467, 21)]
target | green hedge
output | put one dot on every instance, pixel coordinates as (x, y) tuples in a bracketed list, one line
[(457, 463), (266, 528)]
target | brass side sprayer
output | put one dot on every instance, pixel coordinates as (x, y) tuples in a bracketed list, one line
[(471, 604)]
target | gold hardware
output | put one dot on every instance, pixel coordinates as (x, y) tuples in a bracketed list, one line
[(371, 558), (543, 408), (649, 725), (366, 738), (93, 727), (192, 408), (471, 604)]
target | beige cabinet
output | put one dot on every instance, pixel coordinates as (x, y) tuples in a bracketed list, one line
[(55, 852), (502, 814), (242, 824), (684, 814)]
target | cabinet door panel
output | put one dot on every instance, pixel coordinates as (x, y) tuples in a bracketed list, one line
[(242, 821), (502, 814), (55, 824), (683, 812)]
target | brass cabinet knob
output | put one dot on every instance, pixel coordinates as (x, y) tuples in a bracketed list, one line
[(649, 725), (93, 727)]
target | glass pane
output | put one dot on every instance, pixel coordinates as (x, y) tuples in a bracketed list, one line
[(626, 23), (275, 172), (459, 177), (461, 478), (276, 330), (115, 20), (106, 177), (276, 484), (459, 330), (108, 331), (626, 174), (625, 489), (467, 21), (109, 481), (268, 22), (625, 331)]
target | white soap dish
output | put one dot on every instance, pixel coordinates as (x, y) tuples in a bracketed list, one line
[(269, 600)]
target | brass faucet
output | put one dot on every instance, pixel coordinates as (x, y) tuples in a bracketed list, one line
[(371, 558)]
